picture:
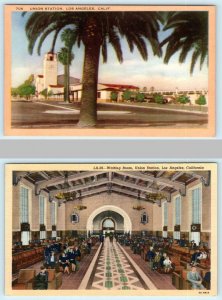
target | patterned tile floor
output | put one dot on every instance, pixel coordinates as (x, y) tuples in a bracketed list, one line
[(113, 271)]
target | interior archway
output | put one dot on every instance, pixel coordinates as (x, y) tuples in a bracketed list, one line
[(127, 224)]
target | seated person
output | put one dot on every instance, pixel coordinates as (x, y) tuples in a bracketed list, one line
[(167, 264), (194, 277), (64, 263), (206, 280), (41, 280), (195, 257), (162, 259)]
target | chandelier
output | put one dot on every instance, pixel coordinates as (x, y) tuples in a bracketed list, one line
[(79, 207), (66, 195), (138, 207), (155, 195)]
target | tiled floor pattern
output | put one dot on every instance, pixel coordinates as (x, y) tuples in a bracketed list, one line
[(113, 271)]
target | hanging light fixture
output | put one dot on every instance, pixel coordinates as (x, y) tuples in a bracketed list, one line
[(155, 195), (66, 195), (138, 206)]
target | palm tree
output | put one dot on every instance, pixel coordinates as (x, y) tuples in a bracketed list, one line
[(189, 34), (96, 31), (65, 58), (69, 40)]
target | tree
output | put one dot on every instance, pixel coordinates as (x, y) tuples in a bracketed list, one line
[(183, 99), (65, 58), (190, 34), (158, 98), (140, 97), (114, 96), (26, 89), (46, 93), (201, 100), (127, 95), (96, 30), (69, 38)]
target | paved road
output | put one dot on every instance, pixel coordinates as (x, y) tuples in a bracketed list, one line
[(60, 115)]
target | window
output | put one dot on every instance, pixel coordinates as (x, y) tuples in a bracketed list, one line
[(178, 210), (24, 205), (25, 237), (54, 234), (196, 211), (53, 213), (165, 214), (75, 218), (42, 235), (176, 235), (144, 218), (98, 94), (196, 206), (165, 234), (41, 210)]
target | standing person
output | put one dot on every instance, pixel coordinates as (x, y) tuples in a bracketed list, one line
[(47, 253), (52, 260), (156, 261), (64, 263), (196, 280), (41, 280), (71, 258), (77, 254), (89, 244)]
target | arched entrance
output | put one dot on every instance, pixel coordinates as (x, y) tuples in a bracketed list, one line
[(120, 217), (108, 225)]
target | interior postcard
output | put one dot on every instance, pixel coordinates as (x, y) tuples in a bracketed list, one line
[(147, 229), (106, 70)]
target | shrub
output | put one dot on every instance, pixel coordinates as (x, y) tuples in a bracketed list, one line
[(158, 98)]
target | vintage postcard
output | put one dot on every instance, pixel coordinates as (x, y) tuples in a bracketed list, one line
[(106, 70), (111, 229)]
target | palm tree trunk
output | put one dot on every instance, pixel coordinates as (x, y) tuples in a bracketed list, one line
[(88, 111), (68, 97), (65, 83)]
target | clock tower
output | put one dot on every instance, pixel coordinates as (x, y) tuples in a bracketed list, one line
[(50, 69)]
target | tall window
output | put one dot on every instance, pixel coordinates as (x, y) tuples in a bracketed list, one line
[(53, 213), (41, 210), (24, 205), (42, 215), (196, 206), (177, 216), (165, 218), (53, 218), (196, 213), (24, 213), (165, 214), (178, 210)]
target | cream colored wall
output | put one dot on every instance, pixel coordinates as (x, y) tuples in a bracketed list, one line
[(97, 201), (126, 203)]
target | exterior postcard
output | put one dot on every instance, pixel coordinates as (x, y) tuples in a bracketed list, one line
[(106, 70), (139, 229)]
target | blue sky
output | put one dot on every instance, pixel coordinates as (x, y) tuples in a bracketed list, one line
[(132, 71)]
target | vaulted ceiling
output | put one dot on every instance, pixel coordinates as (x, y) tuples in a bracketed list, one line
[(131, 183)]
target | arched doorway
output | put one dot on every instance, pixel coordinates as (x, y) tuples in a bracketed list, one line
[(108, 226), (121, 219)]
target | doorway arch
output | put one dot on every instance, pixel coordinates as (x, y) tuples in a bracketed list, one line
[(127, 222)]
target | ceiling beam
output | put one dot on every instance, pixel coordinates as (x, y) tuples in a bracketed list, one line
[(54, 181), (159, 181)]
